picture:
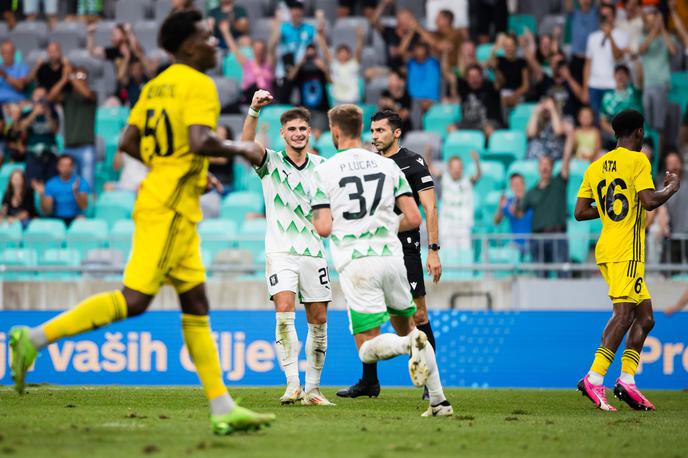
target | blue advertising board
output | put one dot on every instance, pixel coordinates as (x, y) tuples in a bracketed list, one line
[(475, 349)]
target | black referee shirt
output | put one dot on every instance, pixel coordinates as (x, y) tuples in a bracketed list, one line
[(416, 171)]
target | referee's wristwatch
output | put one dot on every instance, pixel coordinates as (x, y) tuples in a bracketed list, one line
[(434, 247)]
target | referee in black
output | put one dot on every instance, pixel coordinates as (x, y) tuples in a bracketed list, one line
[(386, 129)]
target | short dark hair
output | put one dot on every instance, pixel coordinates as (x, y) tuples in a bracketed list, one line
[(448, 14), (516, 175), (623, 68), (474, 66), (296, 113), (674, 153), (176, 28), (66, 156), (348, 118), (627, 122), (391, 116)]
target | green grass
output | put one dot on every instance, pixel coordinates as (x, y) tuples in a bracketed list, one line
[(116, 422)]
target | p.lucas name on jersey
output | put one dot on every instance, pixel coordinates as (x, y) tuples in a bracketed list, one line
[(358, 165)]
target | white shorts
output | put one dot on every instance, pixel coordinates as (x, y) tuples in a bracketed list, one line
[(306, 276), (374, 287)]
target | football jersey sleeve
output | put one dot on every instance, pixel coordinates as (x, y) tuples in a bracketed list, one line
[(319, 196), (203, 104), (401, 184), (262, 168), (643, 174), (585, 191), (420, 179)]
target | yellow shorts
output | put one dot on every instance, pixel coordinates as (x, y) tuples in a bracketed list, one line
[(166, 248), (626, 281)]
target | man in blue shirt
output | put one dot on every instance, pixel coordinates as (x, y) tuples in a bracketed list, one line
[(13, 75), (64, 196), (508, 207), (424, 76), (290, 40), (583, 21)]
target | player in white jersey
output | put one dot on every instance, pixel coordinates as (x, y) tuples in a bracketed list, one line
[(295, 261), (354, 204)]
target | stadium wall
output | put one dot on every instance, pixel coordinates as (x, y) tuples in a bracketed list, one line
[(532, 349)]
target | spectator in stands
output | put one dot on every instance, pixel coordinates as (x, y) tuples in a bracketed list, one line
[(584, 142), (480, 102), (8, 10), (466, 57), (398, 38), (47, 72), (13, 146), (311, 76), (64, 196), (131, 79), (31, 8), (488, 19), (258, 72), (79, 103), (458, 203), (13, 75), (424, 77), (236, 18), (679, 23), (584, 20), (561, 86), (605, 47), (131, 173), (180, 5), (396, 98), (18, 201), (458, 8), (623, 97), (546, 131), (676, 251), (445, 38), (39, 125), (547, 200), (290, 39), (519, 222), (543, 47), (630, 20), (348, 7), (345, 67), (655, 49), (513, 78)]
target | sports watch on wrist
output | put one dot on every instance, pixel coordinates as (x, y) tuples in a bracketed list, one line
[(434, 247)]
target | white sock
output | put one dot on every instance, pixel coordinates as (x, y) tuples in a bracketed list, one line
[(384, 346), (595, 378), (316, 347), (288, 346), (222, 405), (37, 337), (434, 384), (627, 378)]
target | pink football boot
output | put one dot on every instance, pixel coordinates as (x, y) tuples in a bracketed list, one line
[(596, 394)]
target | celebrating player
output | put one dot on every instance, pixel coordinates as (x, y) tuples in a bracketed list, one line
[(295, 254), (620, 185), (353, 203), (386, 130), (171, 130)]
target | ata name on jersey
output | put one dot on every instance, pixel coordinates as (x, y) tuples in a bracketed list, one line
[(609, 166), (161, 91), (358, 165)]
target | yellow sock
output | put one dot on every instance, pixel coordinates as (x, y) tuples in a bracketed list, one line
[(204, 354), (629, 361), (94, 312), (603, 358)]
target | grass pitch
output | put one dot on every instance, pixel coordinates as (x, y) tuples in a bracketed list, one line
[(115, 422)]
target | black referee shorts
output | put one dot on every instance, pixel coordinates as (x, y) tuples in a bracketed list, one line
[(410, 242)]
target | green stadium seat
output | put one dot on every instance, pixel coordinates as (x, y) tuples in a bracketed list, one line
[(115, 205), (578, 233), (679, 89), (461, 142), (440, 116), (121, 236), (454, 257), (60, 257), (245, 178), (10, 235), (492, 177), (237, 204), (510, 142), (44, 234), (325, 145), (232, 68), (518, 23), (217, 235), (483, 52), (503, 255), (520, 115), (270, 116), (576, 172), (110, 121), (18, 257), (252, 236), (486, 206), (368, 111), (87, 234), (528, 168)]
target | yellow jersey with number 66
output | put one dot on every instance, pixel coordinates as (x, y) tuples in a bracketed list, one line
[(614, 181), (171, 102)]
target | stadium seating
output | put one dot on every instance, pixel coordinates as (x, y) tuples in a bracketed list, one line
[(44, 234), (578, 233), (114, 205), (507, 146), (270, 117), (491, 179), (252, 235), (18, 257), (60, 258), (217, 235), (519, 117), (10, 235), (121, 236), (87, 234), (518, 23), (528, 168), (325, 145), (237, 205), (418, 140), (461, 143), (440, 116)]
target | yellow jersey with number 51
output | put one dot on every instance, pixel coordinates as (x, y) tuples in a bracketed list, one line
[(614, 181), (171, 102)]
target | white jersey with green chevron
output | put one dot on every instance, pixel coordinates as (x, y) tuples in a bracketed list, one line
[(361, 189), (286, 189)]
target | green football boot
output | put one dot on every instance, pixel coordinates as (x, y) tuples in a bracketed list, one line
[(239, 419), (23, 355)]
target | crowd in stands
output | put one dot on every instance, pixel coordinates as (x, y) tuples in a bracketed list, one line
[(507, 100)]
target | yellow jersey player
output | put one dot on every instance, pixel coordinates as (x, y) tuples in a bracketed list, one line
[(621, 187), (171, 129)]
